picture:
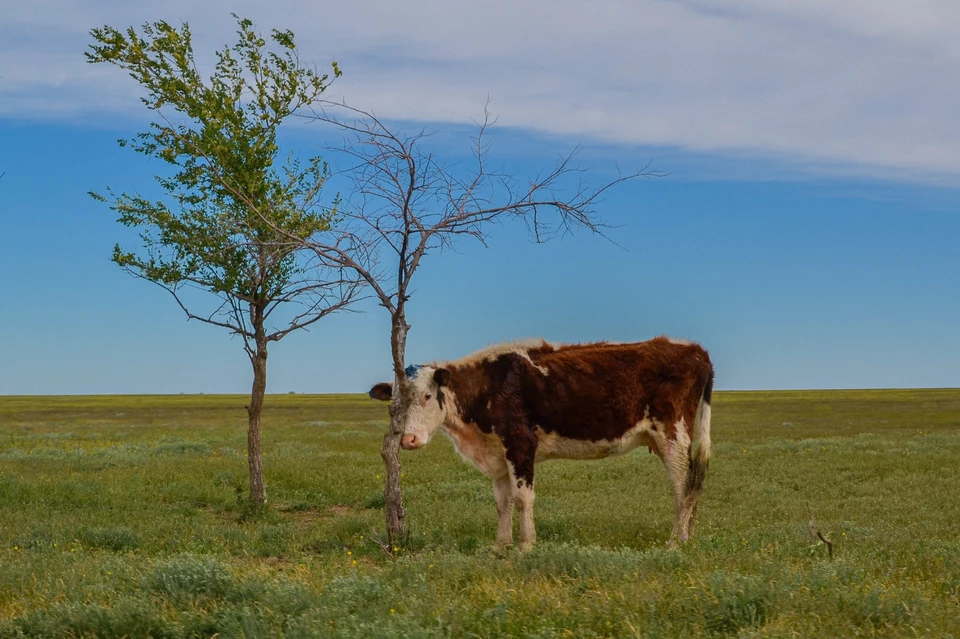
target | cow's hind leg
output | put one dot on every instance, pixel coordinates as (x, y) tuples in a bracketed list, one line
[(699, 458), (503, 494), (521, 488), (693, 512), (677, 461)]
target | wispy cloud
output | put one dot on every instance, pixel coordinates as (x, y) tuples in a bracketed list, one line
[(863, 86)]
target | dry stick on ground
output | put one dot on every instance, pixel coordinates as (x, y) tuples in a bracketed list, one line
[(385, 546), (815, 534)]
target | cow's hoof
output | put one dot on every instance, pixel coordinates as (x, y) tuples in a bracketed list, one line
[(525, 546), (501, 550)]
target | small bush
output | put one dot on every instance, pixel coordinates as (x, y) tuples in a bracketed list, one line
[(353, 593), (734, 601), (592, 561), (299, 506), (115, 539), (190, 575), (272, 541), (880, 610), (37, 539), (182, 448), (226, 480), (552, 530), (468, 544), (376, 501), (125, 618)]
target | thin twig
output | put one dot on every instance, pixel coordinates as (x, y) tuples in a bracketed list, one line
[(816, 534), (827, 542), (384, 545)]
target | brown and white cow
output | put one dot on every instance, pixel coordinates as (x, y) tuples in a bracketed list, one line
[(510, 406)]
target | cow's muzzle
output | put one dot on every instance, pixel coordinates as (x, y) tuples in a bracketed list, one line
[(410, 442)]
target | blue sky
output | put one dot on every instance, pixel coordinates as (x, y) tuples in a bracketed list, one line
[(807, 234)]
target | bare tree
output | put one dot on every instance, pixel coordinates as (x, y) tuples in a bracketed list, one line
[(406, 202)]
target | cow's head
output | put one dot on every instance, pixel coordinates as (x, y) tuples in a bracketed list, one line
[(425, 406)]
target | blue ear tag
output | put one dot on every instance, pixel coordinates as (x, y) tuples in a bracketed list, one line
[(411, 370)]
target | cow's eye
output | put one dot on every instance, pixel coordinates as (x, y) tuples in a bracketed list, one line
[(428, 396)]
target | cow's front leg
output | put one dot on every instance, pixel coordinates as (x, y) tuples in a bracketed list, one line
[(525, 496), (504, 496), (521, 453)]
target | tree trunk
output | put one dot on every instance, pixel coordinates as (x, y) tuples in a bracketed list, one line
[(258, 491), (393, 495)]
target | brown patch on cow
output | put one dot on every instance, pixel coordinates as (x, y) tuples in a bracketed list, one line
[(577, 401), (594, 391), (586, 392)]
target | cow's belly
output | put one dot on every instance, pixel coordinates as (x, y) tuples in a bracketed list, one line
[(553, 446)]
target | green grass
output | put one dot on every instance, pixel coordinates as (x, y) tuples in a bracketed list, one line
[(123, 516)]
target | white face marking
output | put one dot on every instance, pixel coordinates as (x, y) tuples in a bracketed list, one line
[(424, 415)]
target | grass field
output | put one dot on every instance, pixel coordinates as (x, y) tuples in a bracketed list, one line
[(123, 516)]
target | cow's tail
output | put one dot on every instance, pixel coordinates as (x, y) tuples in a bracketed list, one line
[(700, 446)]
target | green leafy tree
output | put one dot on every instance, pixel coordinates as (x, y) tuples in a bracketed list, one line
[(228, 204)]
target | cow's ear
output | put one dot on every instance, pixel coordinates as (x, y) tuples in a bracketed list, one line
[(382, 391), (442, 377)]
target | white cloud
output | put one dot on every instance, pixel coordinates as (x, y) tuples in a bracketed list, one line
[(868, 86)]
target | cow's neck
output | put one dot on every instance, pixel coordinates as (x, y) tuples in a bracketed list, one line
[(464, 435), (481, 449)]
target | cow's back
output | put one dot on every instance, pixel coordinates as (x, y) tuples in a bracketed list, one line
[(601, 391)]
